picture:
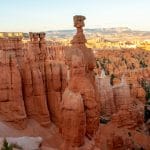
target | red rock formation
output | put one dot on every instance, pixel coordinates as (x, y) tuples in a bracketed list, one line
[(56, 52), (73, 118), (42, 81), (11, 98), (122, 94), (107, 101), (82, 82), (119, 138), (116, 102), (34, 94), (134, 64), (130, 112), (87, 90), (129, 116), (49, 78), (33, 76), (55, 83)]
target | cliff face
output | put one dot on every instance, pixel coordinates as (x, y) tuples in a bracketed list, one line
[(31, 83), (11, 98), (56, 82)]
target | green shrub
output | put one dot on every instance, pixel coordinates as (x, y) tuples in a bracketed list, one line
[(6, 146)]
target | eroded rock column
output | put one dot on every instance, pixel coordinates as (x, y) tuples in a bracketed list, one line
[(34, 81), (81, 63)]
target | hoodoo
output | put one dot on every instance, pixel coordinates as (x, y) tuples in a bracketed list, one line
[(81, 62)]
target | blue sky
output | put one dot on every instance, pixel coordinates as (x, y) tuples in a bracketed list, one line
[(42, 15)]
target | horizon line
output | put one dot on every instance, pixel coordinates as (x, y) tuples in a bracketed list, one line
[(75, 29)]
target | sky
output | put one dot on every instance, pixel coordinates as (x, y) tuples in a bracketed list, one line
[(43, 15)]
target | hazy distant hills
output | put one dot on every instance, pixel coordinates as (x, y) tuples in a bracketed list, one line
[(97, 32), (60, 33)]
